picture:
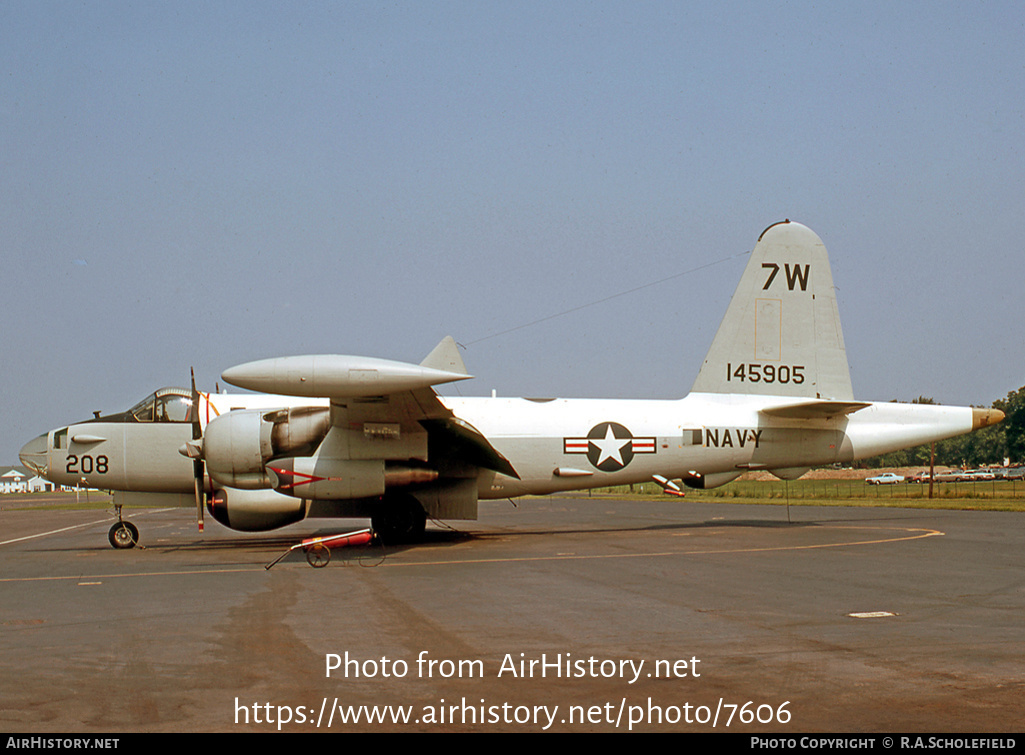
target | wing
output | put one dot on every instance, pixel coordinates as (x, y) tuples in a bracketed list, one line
[(386, 422)]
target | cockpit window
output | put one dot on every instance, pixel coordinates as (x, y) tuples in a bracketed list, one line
[(143, 411), (165, 405), (173, 409)]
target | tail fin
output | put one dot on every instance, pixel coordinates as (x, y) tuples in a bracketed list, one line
[(445, 357), (781, 334)]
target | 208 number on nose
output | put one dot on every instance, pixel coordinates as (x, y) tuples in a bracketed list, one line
[(86, 464)]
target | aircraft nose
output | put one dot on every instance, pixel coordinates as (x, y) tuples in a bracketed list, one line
[(33, 455)]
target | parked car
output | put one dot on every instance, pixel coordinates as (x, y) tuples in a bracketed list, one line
[(888, 478), (919, 477)]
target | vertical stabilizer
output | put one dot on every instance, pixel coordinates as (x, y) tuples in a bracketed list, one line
[(781, 334), (445, 357)]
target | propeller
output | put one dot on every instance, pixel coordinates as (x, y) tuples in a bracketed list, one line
[(197, 462)]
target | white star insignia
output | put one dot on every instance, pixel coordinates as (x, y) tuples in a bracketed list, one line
[(610, 447)]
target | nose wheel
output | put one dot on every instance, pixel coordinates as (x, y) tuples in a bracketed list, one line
[(123, 534)]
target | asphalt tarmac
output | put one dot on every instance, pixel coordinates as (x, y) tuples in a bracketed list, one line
[(637, 615)]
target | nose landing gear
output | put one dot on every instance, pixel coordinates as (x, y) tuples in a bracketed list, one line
[(123, 534)]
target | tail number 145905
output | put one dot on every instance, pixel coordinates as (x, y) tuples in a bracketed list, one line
[(765, 373)]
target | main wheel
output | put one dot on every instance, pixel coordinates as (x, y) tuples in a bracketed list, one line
[(401, 520), (123, 535)]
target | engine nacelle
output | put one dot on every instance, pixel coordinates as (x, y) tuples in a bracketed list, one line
[(235, 447), (285, 449), (238, 445), (255, 510), (298, 430)]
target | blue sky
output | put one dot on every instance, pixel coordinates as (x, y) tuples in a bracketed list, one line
[(203, 184)]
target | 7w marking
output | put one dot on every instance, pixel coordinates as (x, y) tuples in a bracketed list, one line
[(795, 275)]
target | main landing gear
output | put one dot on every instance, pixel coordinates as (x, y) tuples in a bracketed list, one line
[(401, 519), (123, 534)]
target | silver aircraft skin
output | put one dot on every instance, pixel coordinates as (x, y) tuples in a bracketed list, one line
[(344, 436)]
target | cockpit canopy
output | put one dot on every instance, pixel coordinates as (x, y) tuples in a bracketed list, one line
[(164, 405)]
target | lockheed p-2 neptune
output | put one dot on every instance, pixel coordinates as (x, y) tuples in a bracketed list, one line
[(346, 436)]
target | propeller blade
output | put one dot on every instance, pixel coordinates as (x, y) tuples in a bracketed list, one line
[(199, 494), (197, 464)]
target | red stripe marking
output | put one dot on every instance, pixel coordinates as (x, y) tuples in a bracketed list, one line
[(309, 478)]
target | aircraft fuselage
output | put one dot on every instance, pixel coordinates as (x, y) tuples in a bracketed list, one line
[(553, 444)]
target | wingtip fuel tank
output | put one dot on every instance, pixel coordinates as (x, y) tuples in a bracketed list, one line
[(335, 376)]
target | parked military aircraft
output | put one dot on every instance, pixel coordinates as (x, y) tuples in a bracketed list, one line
[(345, 436)]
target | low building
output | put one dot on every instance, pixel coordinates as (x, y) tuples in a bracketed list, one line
[(20, 480)]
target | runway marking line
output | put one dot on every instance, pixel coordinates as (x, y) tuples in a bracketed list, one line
[(179, 573), (73, 527), (54, 532), (918, 534), (921, 533)]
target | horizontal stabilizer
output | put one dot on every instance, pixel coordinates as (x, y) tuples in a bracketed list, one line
[(814, 409)]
